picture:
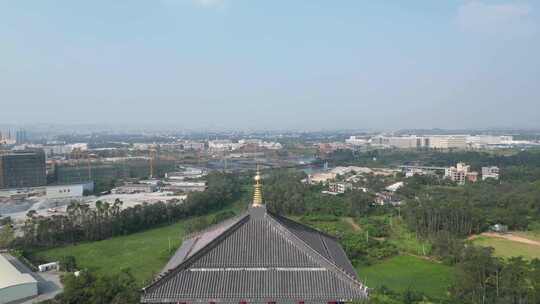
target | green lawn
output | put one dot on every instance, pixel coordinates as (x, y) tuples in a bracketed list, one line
[(507, 248), (145, 253), (405, 240), (409, 272)]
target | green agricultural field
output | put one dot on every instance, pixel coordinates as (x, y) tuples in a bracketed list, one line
[(409, 272), (507, 248)]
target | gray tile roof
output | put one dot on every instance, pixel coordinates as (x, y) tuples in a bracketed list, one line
[(257, 257)]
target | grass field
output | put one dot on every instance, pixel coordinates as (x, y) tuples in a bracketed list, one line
[(145, 253), (507, 248), (406, 241), (531, 235), (409, 272)]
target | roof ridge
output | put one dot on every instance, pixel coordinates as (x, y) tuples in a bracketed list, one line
[(303, 225), (214, 226), (332, 264)]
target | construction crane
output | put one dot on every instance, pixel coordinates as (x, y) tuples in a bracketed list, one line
[(153, 153)]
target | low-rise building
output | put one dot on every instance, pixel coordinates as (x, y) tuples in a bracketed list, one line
[(65, 191), (395, 186), (186, 173), (386, 198), (339, 187), (15, 285), (490, 172), (318, 178), (356, 141), (184, 186)]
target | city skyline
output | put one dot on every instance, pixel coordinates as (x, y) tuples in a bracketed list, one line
[(226, 64)]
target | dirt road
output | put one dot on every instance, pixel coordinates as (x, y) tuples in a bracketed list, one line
[(508, 236)]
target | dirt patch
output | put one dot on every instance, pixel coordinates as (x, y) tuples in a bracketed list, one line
[(508, 236), (354, 225)]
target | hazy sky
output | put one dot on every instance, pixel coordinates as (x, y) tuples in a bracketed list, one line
[(303, 64)]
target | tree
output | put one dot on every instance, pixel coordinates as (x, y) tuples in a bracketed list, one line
[(68, 263), (7, 235)]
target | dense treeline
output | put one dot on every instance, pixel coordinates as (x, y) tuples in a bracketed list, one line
[(518, 166), (82, 223), (472, 208), (483, 278), (286, 194)]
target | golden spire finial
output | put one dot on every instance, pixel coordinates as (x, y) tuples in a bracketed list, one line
[(257, 194)]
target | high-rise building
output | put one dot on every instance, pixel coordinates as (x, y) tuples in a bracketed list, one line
[(22, 169), (21, 137)]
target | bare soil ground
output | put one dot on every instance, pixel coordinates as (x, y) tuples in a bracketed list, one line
[(508, 236)]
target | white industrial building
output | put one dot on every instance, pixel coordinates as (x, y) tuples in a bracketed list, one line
[(14, 285), (416, 142), (447, 141), (356, 141), (65, 191)]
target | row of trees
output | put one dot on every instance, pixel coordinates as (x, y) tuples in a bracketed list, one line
[(82, 223), (472, 208), (483, 278)]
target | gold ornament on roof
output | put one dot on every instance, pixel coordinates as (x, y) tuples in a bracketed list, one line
[(257, 194)]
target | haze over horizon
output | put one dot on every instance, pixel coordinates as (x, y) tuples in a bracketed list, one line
[(271, 65)]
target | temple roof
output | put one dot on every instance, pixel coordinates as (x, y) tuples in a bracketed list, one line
[(257, 257)]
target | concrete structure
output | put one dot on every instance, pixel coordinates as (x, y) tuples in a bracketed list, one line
[(64, 149), (187, 172), (320, 177), (356, 141), (65, 191), (400, 142), (49, 266), (490, 172), (482, 141), (339, 187), (22, 169), (461, 173), (14, 285), (417, 142), (386, 198), (447, 141), (48, 192), (223, 145), (184, 186), (21, 137), (394, 187)]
